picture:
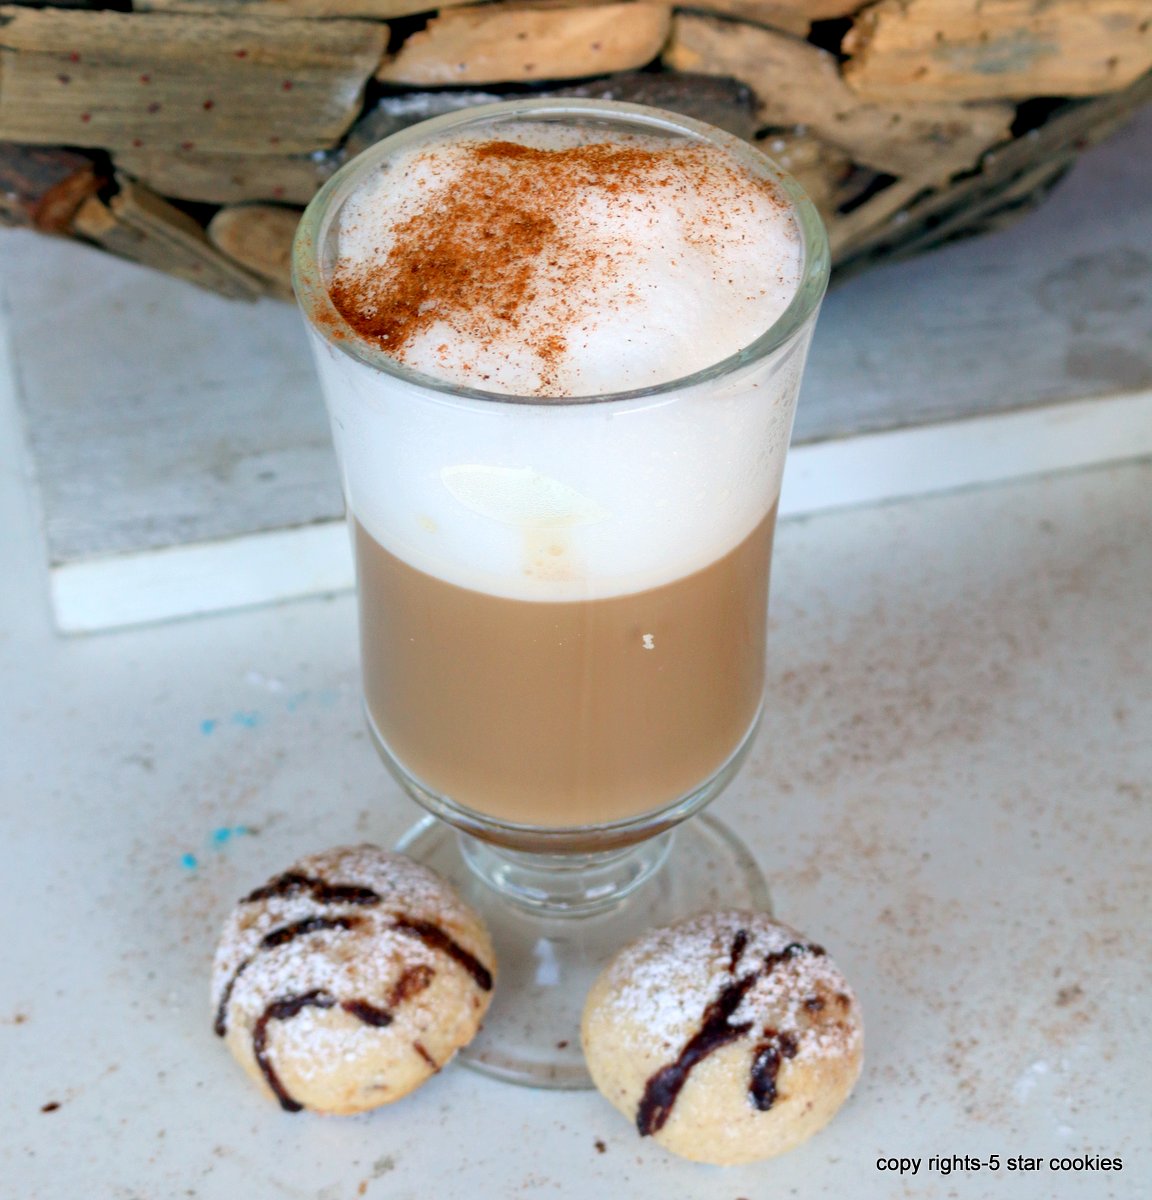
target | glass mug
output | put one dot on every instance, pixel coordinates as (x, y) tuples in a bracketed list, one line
[(563, 609)]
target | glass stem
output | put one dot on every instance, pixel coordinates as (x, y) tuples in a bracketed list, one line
[(565, 884)]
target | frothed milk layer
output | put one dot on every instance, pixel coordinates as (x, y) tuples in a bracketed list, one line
[(543, 260), (662, 257)]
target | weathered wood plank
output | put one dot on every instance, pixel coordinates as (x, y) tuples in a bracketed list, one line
[(717, 100), (372, 10), (1007, 174), (163, 82), (505, 43), (847, 230), (758, 12), (996, 208), (818, 167), (725, 103), (178, 235), (139, 225), (391, 113), (97, 223), (795, 16), (229, 178), (993, 49), (938, 223), (42, 188), (259, 238), (789, 16), (799, 84)]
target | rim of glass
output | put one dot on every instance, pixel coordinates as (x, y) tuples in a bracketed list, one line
[(315, 302)]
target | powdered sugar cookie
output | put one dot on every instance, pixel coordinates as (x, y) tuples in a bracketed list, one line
[(727, 1037), (348, 980)]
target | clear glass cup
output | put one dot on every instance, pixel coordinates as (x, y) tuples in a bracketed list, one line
[(559, 730)]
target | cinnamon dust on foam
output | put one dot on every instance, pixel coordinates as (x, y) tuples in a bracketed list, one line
[(476, 254)]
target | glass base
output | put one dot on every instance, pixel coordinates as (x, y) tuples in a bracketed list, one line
[(555, 925)]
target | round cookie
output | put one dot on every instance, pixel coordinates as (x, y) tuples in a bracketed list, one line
[(348, 980), (727, 1037)]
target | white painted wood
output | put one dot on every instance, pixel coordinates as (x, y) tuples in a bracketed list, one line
[(264, 568), (181, 581), (1056, 307), (924, 459), (158, 414)]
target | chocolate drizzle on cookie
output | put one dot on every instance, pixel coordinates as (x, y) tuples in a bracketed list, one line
[(288, 1007), (411, 983), (422, 1050), (766, 1060), (737, 952), (293, 883), (278, 937), (370, 1014), (435, 938), (717, 1029)]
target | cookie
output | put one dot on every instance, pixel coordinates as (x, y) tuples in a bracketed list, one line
[(350, 979), (726, 1038)]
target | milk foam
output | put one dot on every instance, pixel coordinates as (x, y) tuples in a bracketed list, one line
[(655, 269), (562, 502)]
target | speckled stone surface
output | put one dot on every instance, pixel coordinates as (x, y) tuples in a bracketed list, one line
[(950, 791)]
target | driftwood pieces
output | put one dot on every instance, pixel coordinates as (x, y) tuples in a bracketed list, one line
[(716, 100), (505, 43), (799, 84), (819, 168), (893, 226), (142, 226), (783, 17), (375, 10), (795, 16), (390, 114), (905, 130), (229, 178), (990, 49), (790, 16), (128, 81), (42, 187), (725, 103), (259, 237)]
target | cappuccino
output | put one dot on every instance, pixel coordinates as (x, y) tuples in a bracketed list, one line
[(563, 588)]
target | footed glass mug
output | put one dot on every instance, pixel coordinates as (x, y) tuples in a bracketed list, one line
[(563, 608)]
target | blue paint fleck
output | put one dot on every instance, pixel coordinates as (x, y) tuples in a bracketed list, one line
[(226, 833), (247, 720), (207, 725), (190, 861)]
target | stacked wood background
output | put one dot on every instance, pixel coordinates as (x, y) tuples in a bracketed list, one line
[(187, 134)]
